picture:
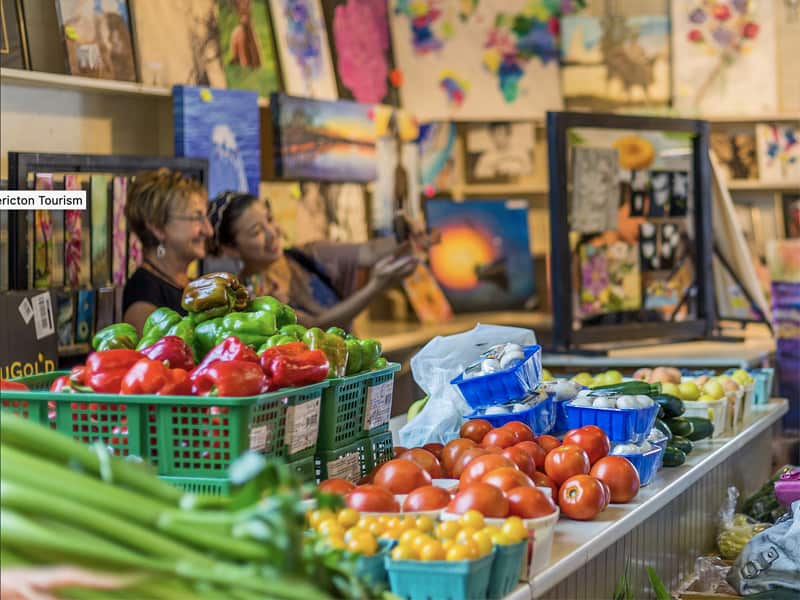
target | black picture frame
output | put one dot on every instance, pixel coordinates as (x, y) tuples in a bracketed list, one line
[(565, 335), (13, 38)]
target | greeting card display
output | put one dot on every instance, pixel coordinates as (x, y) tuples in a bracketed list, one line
[(778, 152)]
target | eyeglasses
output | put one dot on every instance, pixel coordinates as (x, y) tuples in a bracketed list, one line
[(197, 218)]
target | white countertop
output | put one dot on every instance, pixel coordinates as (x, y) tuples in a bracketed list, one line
[(576, 543)]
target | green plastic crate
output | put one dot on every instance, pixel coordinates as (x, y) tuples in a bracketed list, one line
[(304, 469), (380, 448), (346, 415), (189, 440), (348, 462)]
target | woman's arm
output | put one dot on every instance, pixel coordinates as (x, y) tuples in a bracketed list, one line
[(137, 314), (372, 251)]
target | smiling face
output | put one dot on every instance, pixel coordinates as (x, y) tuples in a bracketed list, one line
[(187, 229), (257, 237)]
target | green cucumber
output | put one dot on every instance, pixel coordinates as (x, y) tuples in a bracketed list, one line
[(631, 388), (701, 428), (662, 427), (682, 444), (673, 457), (680, 426), (672, 406)]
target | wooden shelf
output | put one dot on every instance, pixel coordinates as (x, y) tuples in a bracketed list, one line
[(763, 118), (87, 84), (735, 185)]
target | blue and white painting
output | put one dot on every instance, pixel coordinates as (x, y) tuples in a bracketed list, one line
[(222, 126)]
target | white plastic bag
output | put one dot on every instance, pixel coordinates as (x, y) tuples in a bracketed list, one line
[(438, 363)]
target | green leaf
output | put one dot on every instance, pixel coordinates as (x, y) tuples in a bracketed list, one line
[(660, 590)]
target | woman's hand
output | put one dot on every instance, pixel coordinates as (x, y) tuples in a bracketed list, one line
[(391, 269), (34, 583)]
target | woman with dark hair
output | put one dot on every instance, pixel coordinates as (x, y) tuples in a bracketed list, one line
[(319, 280)]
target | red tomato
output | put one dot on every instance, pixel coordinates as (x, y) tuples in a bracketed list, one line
[(529, 503), (435, 448), (507, 478), (398, 450), (535, 450), (401, 476), (621, 477), (548, 442), (606, 493), (522, 432), (452, 450), (424, 459), (372, 498), (465, 458), (503, 438), (592, 439), (519, 457), (336, 486), (542, 480), (494, 449), (480, 466), (427, 497), (486, 499), (475, 429), (581, 498), (564, 462)]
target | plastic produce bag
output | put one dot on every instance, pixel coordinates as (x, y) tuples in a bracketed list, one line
[(439, 362), (736, 530), (771, 560)]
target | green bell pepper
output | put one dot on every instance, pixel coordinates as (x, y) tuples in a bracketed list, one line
[(118, 335), (354, 356), (184, 329), (253, 328), (287, 317), (294, 331), (214, 295), (333, 346), (276, 340), (370, 352), (156, 326), (284, 314), (381, 363), (206, 335), (337, 331)]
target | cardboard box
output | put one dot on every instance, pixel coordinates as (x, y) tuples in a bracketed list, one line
[(28, 340)]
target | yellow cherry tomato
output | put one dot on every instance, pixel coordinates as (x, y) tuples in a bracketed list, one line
[(472, 518), (363, 543), (515, 529), (501, 539), (408, 536), (393, 523), (391, 534), (330, 526), (337, 542), (424, 523), (365, 521), (376, 528), (408, 522), (404, 553), (457, 552), (432, 550), (348, 517), (465, 534), (353, 531), (384, 519), (315, 517), (491, 529), (484, 542), (447, 544), (420, 541), (447, 530)]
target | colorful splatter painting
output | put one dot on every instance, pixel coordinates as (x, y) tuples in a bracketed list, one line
[(724, 56), (436, 157), (478, 60), (43, 234), (609, 276), (73, 234), (119, 230), (778, 153), (303, 48)]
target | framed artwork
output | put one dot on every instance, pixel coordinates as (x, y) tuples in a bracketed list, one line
[(303, 48), (437, 162), (43, 237), (42, 31), (119, 231), (499, 151), (97, 38), (737, 154), (248, 50), (724, 56), (609, 276), (101, 229), (426, 296), (483, 261), (323, 140), (221, 126), (73, 239), (615, 61), (595, 189), (791, 215), (13, 41), (778, 152), (178, 42), (477, 61), (283, 197), (362, 49)]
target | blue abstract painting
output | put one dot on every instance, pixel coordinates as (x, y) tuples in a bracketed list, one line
[(222, 126), (483, 261)]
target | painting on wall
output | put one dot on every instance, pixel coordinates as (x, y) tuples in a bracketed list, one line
[(483, 261), (778, 152), (245, 38), (724, 56), (177, 42), (101, 227), (613, 61), (323, 140), (595, 189), (499, 151), (97, 38), (302, 42), (437, 161), (362, 50), (223, 127), (282, 197), (13, 42), (610, 279), (477, 61), (43, 236), (736, 154)]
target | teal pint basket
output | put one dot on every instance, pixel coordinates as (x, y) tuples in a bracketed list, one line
[(505, 569), (439, 579), (372, 569)]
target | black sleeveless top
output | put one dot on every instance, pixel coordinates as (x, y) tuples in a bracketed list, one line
[(144, 286)]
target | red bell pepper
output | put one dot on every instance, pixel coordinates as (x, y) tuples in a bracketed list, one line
[(173, 350), (106, 369), (233, 378), (154, 377), (231, 348), (77, 375), (13, 386), (62, 384), (294, 364)]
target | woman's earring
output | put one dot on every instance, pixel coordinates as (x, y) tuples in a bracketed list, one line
[(160, 251)]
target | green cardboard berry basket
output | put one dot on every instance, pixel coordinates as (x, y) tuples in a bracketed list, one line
[(356, 406), (380, 448), (191, 440), (347, 462)]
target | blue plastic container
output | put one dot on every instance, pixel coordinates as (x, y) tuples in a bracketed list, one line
[(646, 464), (622, 425), (505, 569), (440, 579), (540, 417), (503, 386), (562, 421), (372, 569)]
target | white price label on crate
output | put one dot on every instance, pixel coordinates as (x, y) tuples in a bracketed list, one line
[(379, 405), (260, 437), (43, 315), (345, 467), (302, 425)]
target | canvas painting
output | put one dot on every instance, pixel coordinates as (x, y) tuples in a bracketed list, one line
[(437, 162), (397, 185), (302, 42), (347, 206), (178, 42), (778, 152), (323, 140), (73, 237), (43, 236), (283, 200), (245, 38), (483, 261), (426, 296), (736, 154), (97, 38), (222, 126), (613, 61), (119, 231), (101, 227), (362, 50), (13, 43), (477, 61), (499, 151), (610, 280), (595, 189), (724, 57)]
